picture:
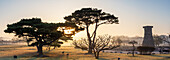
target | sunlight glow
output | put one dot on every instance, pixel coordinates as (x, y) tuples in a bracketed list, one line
[(69, 30)]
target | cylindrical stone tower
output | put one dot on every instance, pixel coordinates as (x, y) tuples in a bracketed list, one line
[(148, 38)]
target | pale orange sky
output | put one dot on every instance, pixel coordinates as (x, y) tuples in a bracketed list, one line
[(133, 14)]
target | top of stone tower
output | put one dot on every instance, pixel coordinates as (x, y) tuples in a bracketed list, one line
[(147, 26)]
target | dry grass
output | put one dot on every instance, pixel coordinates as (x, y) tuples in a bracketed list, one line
[(27, 53)]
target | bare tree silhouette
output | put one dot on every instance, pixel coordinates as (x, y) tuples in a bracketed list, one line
[(133, 45), (101, 43)]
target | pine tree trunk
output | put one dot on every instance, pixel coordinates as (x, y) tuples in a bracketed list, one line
[(90, 50), (37, 49), (40, 51), (89, 39)]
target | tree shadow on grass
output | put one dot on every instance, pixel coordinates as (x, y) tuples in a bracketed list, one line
[(102, 59), (164, 57), (133, 56), (31, 56), (159, 56), (25, 55)]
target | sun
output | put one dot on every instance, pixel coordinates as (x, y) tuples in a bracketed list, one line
[(69, 31)]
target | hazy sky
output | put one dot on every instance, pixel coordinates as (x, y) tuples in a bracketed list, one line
[(133, 14)]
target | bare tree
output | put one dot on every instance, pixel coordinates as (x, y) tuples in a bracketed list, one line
[(133, 44), (119, 41), (103, 42), (166, 39), (82, 44), (158, 40)]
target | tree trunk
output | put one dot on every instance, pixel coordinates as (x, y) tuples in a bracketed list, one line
[(133, 50), (94, 36), (133, 53), (97, 55), (89, 39), (37, 49), (49, 48), (90, 49), (39, 46), (40, 51), (54, 47)]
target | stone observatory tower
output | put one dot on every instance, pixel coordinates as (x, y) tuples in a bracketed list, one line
[(148, 38)]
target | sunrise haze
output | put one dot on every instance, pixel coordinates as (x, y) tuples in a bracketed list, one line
[(132, 14)]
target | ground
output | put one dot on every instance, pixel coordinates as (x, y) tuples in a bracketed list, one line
[(27, 53)]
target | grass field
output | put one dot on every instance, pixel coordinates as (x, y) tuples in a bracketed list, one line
[(26, 53)]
